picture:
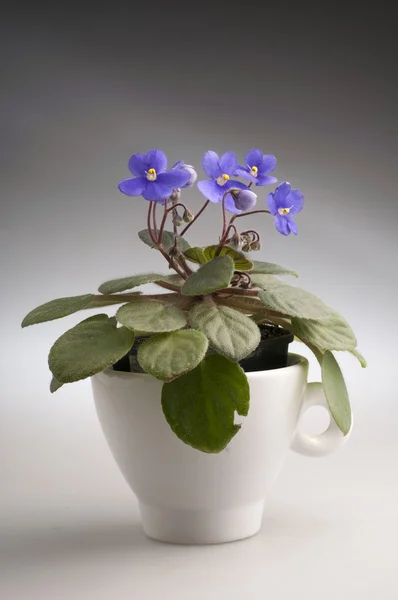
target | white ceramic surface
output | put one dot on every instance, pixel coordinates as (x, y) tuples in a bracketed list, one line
[(190, 497)]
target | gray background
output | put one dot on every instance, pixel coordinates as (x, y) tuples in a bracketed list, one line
[(85, 88)]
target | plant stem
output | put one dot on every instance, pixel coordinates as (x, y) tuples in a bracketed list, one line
[(238, 292), (206, 204), (168, 286), (149, 224), (251, 212), (162, 224), (224, 224), (155, 227)]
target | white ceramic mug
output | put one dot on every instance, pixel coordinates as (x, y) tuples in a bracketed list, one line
[(187, 496)]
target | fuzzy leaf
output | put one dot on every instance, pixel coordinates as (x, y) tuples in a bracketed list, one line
[(200, 406), (169, 355), (333, 333), (204, 255), (167, 240), (196, 255), (264, 282), (270, 269), (127, 283), (56, 309), (88, 348), (294, 302), (151, 316), (62, 307), (230, 332), (55, 385), (210, 277), (359, 356), (336, 392)]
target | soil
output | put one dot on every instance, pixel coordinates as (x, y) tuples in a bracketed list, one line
[(271, 353)]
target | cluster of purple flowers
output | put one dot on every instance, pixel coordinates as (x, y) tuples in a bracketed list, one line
[(155, 183)]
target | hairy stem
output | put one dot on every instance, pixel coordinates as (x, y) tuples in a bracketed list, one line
[(149, 224), (168, 286), (206, 204), (245, 214)]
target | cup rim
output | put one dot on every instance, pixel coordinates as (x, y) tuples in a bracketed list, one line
[(295, 362)]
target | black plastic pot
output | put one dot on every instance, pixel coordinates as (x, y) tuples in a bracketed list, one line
[(271, 353)]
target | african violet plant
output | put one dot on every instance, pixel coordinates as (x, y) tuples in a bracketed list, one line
[(197, 332)]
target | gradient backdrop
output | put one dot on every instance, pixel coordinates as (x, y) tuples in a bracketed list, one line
[(85, 88)]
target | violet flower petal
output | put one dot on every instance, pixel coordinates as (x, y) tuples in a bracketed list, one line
[(156, 159), (156, 191), (282, 225), (210, 190), (211, 164), (178, 164), (295, 200), (265, 180), (272, 204), (241, 172), (280, 194), (228, 163), (132, 187), (291, 224), (174, 179), (254, 157), (137, 165), (268, 164)]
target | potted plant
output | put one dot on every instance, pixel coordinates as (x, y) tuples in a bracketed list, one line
[(194, 387)]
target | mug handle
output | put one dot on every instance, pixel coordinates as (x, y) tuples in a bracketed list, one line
[(325, 443)]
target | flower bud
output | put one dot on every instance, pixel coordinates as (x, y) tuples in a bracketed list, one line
[(235, 241), (177, 221), (193, 175), (175, 196), (246, 248), (244, 199), (188, 216), (256, 245)]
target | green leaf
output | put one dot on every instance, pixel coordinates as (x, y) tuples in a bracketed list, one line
[(265, 281), (127, 283), (200, 406), (56, 309), (195, 255), (270, 269), (55, 385), (169, 355), (167, 240), (210, 277), (88, 348), (230, 332), (62, 307), (294, 302), (333, 333), (204, 255), (336, 392), (151, 316), (359, 356)]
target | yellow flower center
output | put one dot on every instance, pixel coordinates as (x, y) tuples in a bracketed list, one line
[(151, 175), (222, 180), (253, 171), (284, 211)]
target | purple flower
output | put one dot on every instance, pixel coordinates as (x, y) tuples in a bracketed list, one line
[(152, 180), (244, 199), (190, 169), (258, 167), (219, 170), (283, 203)]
